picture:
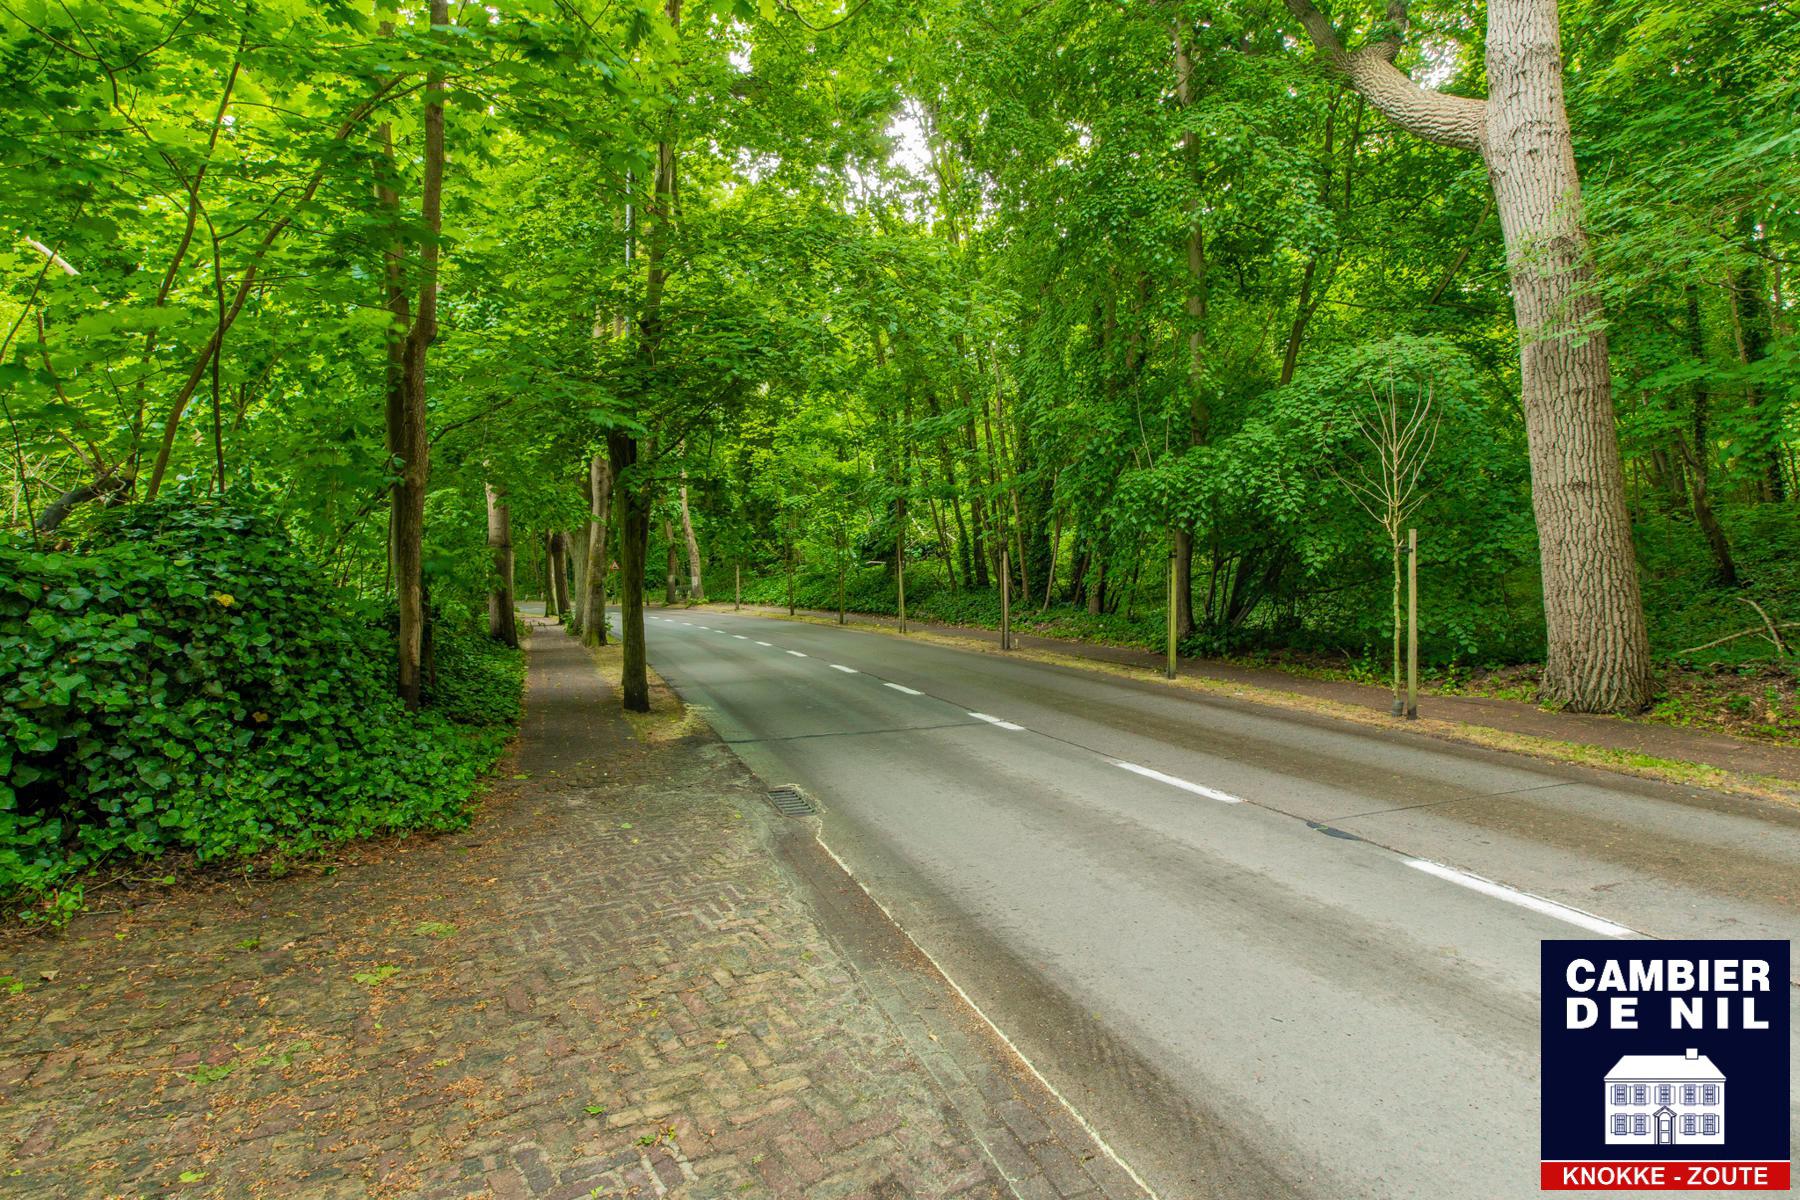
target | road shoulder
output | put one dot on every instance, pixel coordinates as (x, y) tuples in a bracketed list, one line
[(1643, 749)]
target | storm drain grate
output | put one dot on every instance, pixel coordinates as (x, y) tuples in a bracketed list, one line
[(789, 802)]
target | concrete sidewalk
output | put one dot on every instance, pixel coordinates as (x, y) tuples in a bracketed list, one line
[(629, 977), (1512, 716)]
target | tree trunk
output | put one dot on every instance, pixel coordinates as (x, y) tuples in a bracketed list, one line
[(562, 575), (1599, 654), (407, 439), (673, 573), (1724, 569), (629, 492), (634, 548), (790, 564), (1750, 324), (696, 585), (1196, 308), (593, 633), (500, 596), (577, 551), (551, 557), (1184, 583), (1399, 707), (1599, 651)]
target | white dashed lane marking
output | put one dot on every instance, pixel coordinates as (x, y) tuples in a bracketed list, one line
[(901, 687), (844, 669), (1199, 789), (796, 654), (762, 644), (1500, 891), (996, 721)]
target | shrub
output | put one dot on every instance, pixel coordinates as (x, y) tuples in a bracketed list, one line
[(189, 681)]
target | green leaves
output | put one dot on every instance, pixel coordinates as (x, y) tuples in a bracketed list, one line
[(143, 712)]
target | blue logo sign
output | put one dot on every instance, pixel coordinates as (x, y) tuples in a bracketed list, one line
[(1665, 1065)]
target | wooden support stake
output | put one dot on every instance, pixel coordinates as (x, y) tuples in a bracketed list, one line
[(900, 570), (1005, 601), (1170, 669), (1412, 624)]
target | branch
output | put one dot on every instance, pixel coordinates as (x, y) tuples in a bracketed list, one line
[(1732, 637), (245, 283), (56, 260), (1435, 116), (1774, 636)]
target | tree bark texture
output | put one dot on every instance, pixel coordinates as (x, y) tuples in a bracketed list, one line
[(593, 631), (407, 440), (500, 596), (634, 547), (696, 584), (561, 575)]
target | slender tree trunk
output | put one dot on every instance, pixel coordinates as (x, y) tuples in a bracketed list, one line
[(500, 596), (1184, 583), (634, 548), (1399, 707), (593, 633), (562, 575), (1724, 568), (1750, 324), (407, 439), (696, 585), (790, 565), (1196, 308), (673, 572), (577, 550), (1599, 653), (629, 493), (551, 555)]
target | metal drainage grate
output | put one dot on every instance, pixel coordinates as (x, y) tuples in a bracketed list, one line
[(789, 802)]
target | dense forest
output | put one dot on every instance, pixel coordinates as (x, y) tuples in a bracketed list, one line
[(329, 328)]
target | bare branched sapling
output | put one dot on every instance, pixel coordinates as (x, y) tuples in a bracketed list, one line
[(1401, 426)]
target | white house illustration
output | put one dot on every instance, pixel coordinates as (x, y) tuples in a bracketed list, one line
[(1665, 1099)]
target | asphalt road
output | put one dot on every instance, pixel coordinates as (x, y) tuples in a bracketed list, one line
[(1244, 942)]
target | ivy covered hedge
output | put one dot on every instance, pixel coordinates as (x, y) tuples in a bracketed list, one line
[(189, 681)]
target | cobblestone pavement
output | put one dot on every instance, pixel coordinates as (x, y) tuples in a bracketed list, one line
[(610, 985)]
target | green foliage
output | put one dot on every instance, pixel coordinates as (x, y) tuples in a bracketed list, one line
[(188, 681)]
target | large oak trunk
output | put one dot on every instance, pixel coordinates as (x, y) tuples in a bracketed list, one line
[(1599, 652)]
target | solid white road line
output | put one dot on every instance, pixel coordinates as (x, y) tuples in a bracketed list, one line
[(989, 1021), (764, 644), (901, 687), (844, 669), (996, 721), (1199, 789), (1500, 891), (796, 654)]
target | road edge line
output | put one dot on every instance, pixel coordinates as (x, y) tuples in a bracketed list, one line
[(1088, 1128)]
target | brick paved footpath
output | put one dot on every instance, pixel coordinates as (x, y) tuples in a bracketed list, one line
[(610, 985)]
